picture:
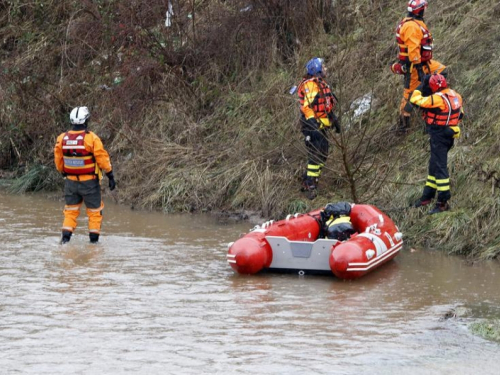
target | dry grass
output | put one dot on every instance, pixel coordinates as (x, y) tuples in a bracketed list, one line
[(198, 116)]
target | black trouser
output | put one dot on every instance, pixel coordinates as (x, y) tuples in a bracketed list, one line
[(76, 193), (441, 141), (317, 146), (89, 192)]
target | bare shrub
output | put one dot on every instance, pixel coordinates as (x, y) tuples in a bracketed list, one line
[(197, 115)]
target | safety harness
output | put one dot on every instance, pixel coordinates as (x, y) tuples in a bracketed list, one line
[(425, 43), (324, 102), (77, 160), (450, 116)]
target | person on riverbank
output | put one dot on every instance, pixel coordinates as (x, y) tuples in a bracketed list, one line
[(317, 104), (442, 112), (415, 57), (80, 157)]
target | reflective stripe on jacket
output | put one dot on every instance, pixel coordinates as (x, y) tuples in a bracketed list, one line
[(77, 160), (80, 154), (414, 41), (340, 220), (316, 99)]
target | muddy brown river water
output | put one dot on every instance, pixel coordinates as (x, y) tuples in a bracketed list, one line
[(156, 296)]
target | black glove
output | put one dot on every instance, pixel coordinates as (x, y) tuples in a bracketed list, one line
[(336, 123), (421, 85), (112, 183), (408, 106)]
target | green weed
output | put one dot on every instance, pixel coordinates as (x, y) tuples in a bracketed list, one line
[(489, 329), (37, 178)]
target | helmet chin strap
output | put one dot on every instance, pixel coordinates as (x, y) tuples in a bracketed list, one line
[(80, 126), (418, 16)]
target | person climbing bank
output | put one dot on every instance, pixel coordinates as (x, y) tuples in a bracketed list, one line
[(317, 104), (442, 112), (415, 56), (80, 157)]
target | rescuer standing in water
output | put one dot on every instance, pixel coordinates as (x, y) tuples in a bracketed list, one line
[(80, 157)]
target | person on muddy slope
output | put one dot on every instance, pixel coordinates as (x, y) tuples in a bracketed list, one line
[(317, 104), (415, 57), (442, 112), (80, 157)]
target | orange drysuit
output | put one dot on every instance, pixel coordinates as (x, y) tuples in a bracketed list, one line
[(82, 149), (415, 47)]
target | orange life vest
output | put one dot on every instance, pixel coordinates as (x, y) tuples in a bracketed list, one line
[(425, 43), (77, 160), (324, 102), (450, 116)]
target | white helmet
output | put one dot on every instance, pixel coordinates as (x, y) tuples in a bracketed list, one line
[(79, 115)]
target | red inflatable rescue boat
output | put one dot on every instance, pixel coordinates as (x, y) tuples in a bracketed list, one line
[(293, 245)]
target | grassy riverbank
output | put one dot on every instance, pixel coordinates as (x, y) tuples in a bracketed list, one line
[(198, 116)]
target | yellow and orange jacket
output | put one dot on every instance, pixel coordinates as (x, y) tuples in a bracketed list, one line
[(316, 100), (414, 41), (80, 155), (441, 108)]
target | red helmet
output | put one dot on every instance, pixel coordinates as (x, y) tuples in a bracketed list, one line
[(436, 82), (417, 6)]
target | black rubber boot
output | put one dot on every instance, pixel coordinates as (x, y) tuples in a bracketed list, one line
[(309, 186), (308, 183), (312, 192), (421, 202), (66, 236), (440, 207), (94, 237)]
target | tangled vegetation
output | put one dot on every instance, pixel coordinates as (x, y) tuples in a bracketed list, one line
[(197, 116), (488, 329)]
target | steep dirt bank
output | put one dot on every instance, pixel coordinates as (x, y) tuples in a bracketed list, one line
[(197, 116)]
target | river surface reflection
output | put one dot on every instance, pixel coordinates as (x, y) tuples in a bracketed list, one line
[(156, 296)]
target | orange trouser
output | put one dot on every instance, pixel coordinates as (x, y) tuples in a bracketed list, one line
[(431, 67), (76, 193), (71, 213)]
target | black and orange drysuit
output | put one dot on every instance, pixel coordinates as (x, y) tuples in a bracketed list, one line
[(80, 156), (415, 54), (442, 112), (317, 103)]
